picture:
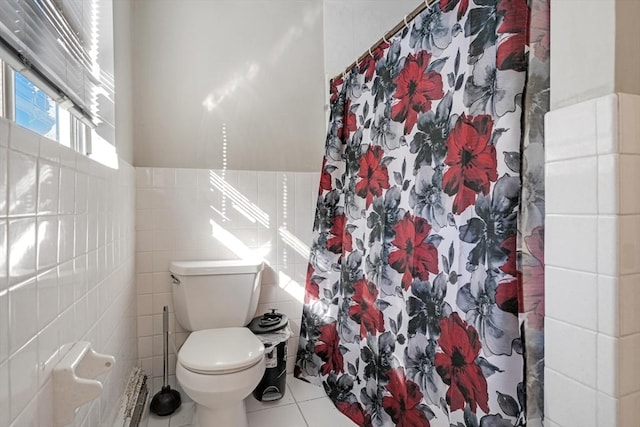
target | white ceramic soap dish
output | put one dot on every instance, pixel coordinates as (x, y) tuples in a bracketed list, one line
[(74, 382)]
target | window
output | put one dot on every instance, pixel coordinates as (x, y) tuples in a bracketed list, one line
[(57, 77), (26, 103), (34, 109)]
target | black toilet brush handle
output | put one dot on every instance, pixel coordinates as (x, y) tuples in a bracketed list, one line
[(165, 332), (166, 401)]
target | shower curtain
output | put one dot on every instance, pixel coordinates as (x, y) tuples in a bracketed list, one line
[(418, 310)]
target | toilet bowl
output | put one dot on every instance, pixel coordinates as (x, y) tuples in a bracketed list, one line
[(221, 362), (217, 369)]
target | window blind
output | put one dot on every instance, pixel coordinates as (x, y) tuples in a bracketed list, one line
[(68, 45)]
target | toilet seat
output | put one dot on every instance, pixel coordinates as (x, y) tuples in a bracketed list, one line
[(220, 351)]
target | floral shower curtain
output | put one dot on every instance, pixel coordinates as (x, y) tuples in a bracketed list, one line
[(417, 308)]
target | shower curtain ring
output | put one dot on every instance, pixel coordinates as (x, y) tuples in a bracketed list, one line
[(384, 39), (406, 24), (371, 54), (426, 3)]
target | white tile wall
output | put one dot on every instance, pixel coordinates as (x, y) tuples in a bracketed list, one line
[(608, 314), (607, 411), (607, 358), (563, 177), (195, 214), (569, 403), (573, 351), (608, 188), (592, 259), (57, 284), (563, 285), (607, 113), (571, 132), (570, 242)]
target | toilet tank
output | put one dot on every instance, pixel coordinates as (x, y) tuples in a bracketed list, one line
[(215, 294)]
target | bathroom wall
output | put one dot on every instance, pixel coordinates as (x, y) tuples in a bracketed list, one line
[(244, 81), (627, 41), (592, 255), (199, 214), (238, 82), (66, 273), (352, 27), (596, 44), (123, 76), (593, 225)]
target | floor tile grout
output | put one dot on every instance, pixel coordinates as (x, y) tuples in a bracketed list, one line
[(302, 413)]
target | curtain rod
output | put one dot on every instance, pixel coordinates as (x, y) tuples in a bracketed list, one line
[(424, 5)]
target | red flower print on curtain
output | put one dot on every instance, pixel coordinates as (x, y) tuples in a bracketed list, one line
[(373, 174), (471, 159), (312, 290), (354, 411), (328, 349), (325, 179), (368, 64), (403, 403), (508, 296), (448, 5), (457, 367), (364, 310), (514, 16), (349, 122), (333, 89), (511, 56), (340, 241), (416, 87), (413, 256)]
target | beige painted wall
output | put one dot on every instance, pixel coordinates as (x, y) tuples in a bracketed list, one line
[(248, 73), (351, 27), (122, 15), (628, 46), (595, 49), (241, 77)]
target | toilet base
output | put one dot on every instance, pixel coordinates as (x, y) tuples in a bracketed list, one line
[(234, 415)]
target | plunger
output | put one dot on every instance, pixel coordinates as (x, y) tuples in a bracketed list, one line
[(166, 401)]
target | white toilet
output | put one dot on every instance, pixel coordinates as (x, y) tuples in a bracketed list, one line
[(221, 361)]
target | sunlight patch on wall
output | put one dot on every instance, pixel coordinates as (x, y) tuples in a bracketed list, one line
[(215, 98), (293, 288), (103, 152), (239, 202), (231, 242), (22, 248), (293, 242)]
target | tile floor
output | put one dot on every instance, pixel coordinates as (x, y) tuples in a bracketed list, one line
[(303, 405)]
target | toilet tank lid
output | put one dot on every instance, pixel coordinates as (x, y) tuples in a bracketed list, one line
[(215, 267)]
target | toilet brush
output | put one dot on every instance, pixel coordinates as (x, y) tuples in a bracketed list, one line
[(166, 401)]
